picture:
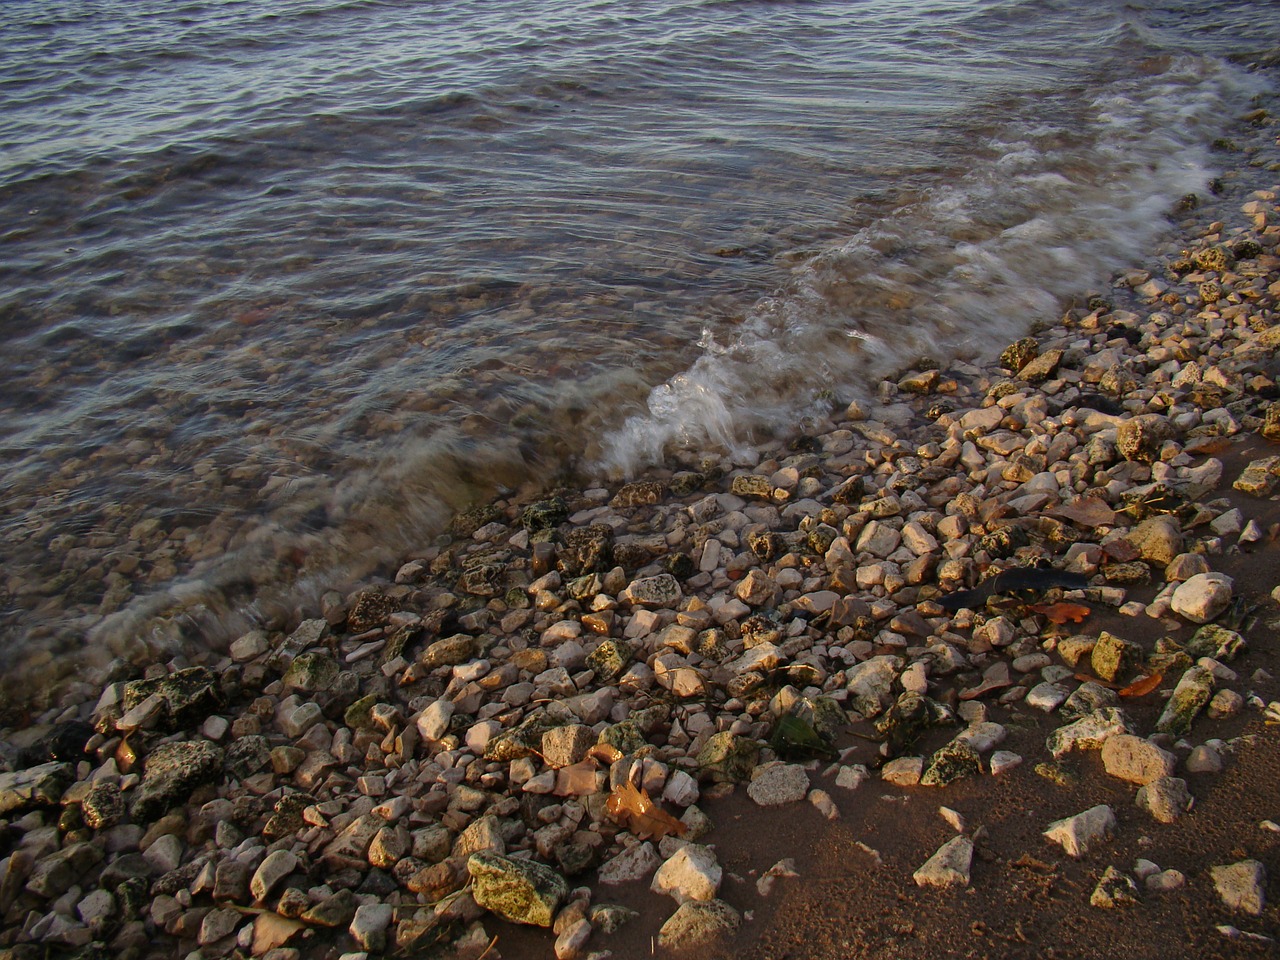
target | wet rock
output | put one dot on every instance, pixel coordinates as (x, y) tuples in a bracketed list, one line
[(697, 924), (36, 786), (1018, 354), (774, 784), (1165, 798), (660, 591), (1241, 886), (1136, 760), (690, 874), (311, 672), (171, 772), (1203, 597), (187, 696), (370, 608), (949, 866), (1259, 479), (1114, 889), (522, 891), (545, 515), (1077, 834)]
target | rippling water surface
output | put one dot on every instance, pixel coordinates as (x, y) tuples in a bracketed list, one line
[(285, 282)]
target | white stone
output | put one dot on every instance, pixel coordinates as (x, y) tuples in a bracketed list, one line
[(1242, 886), (774, 784), (690, 874), (1203, 597), (1002, 761), (1078, 833), (1047, 696), (433, 722), (681, 789), (278, 865), (949, 866), (369, 926), (635, 863)]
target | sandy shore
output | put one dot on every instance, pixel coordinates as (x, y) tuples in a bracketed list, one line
[(767, 649)]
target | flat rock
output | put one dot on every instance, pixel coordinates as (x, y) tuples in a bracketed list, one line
[(1136, 760), (1165, 798), (1090, 732), (42, 785), (691, 873), (698, 923), (774, 784), (634, 863), (1203, 597), (171, 772)]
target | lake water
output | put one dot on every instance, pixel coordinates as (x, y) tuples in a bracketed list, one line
[(284, 283)]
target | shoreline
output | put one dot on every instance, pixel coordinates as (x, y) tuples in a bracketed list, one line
[(376, 776)]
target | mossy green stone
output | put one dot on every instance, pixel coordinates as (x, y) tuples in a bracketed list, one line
[(726, 757), (625, 737), (522, 891), (1114, 656), (1217, 642), (358, 715), (610, 658), (955, 760), (1193, 691), (312, 672)]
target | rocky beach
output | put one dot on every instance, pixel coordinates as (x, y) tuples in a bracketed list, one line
[(986, 660)]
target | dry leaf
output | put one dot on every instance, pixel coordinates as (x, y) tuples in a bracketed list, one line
[(1086, 511), (579, 779), (1142, 686), (634, 809), (605, 752), (1063, 612)]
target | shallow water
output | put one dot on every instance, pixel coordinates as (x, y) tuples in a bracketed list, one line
[(283, 284)]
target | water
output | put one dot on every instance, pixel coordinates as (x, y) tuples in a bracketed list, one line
[(284, 283)]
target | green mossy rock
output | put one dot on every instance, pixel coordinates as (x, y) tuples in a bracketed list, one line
[(522, 891), (728, 758)]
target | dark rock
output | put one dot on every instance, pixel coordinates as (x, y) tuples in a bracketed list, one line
[(35, 786), (171, 772), (639, 493), (1017, 355), (62, 744), (371, 609), (189, 696), (545, 514), (587, 550), (247, 755)]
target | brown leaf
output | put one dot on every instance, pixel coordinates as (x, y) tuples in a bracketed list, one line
[(634, 809), (1086, 511), (1063, 612), (605, 752), (1142, 686)]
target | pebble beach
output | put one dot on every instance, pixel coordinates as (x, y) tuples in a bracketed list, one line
[(487, 749)]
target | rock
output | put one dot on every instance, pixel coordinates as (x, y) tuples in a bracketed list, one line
[(187, 696), (1203, 597), (903, 772), (727, 757), (1165, 798), (522, 891), (1136, 760), (1115, 889), (1017, 355), (774, 784), (698, 923), (311, 672), (955, 760), (1204, 759), (564, 746), (1090, 732), (1113, 656), (448, 652), (1242, 886), (573, 940), (690, 874), (1259, 479), (756, 589), (42, 785), (1142, 437), (1002, 761), (660, 591), (610, 659), (56, 873), (337, 910), (870, 686), (171, 772), (1084, 830), (369, 926), (634, 863), (1214, 641), (1190, 695), (433, 722), (1158, 540), (949, 866), (270, 873)]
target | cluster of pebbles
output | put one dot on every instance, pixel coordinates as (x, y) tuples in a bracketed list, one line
[(452, 743)]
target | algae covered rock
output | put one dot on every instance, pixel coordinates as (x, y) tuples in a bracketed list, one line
[(698, 923), (955, 760), (1214, 641), (1019, 353), (545, 515), (171, 772), (1259, 479), (726, 757), (311, 672), (1114, 656), (1090, 732), (1142, 437), (1114, 889), (1193, 691), (522, 891), (188, 695), (610, 658)]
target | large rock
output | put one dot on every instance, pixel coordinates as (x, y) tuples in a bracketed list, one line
[(1165, 798), (954, 760), (660, 591), (171, 772), (1203, 597), (522, 891), (774, 784), (188, 696), (1142, 437), (1158, 539), (1135, 759), (1090, 732), (1242, 886), (35, 786), (870, 685), (690, 874), (1193, 691), (949, 866), (311, 672), (1114, 656), (1077, 834), (634, 863), (698, 923)]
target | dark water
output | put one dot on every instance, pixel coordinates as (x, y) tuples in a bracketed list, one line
[(285, 282)]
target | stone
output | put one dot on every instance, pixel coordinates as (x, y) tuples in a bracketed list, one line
[(1193, 691), (1077, 834), (1136, 760), (1241, 886), (522, 891), (218, 924), (448, 652), (433, 722), (870, 685), (1158, 539), (1042, 367), (776, 783), (1047, 696), (564, 746), (727, 758), (271, 873), (369, 926), (1204, 759), (56, 873), (1114, 656), (662, 591), (1090, 732), (1203, 597), (697, 924), (756, 589), (903, 772), (691, 873), (610, 659), (1260, 477), (634, 863), (171, 772), (1142, 437), (954, 760), (949, 866), (187, 696), (311, 672), (1165, 798), (42, 785), (1114, 889), (337, 910)]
